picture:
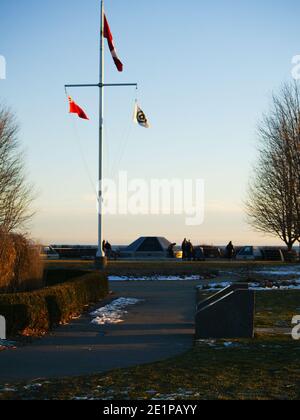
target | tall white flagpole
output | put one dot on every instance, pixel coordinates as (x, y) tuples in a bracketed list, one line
[(100, 259), (100, 253)]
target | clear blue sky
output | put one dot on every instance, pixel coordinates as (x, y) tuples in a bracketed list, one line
[(206, 71)]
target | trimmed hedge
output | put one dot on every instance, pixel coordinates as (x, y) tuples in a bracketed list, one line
[(53, 277), (37, 312)]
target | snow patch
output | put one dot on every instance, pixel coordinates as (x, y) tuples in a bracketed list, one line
[(257, 286), (32, 386), (114, 312), (215, 287), (8, 390), (155, 278), (279, 272), (180, 394)]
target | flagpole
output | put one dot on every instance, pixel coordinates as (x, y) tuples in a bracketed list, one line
[(100, 254), (100, 258)]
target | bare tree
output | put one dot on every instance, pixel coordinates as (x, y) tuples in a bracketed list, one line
[(15, 193), (273, 204)]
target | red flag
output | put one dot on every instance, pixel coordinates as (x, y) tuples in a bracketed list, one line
[(108, 35), (75, 109)]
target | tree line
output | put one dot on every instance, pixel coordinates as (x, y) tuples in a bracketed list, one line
[(273, 205)]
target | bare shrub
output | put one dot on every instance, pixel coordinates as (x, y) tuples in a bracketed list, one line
[(21, 267), (7, 260), (15, 193)]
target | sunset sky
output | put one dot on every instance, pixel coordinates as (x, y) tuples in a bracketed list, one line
[(206, 72)]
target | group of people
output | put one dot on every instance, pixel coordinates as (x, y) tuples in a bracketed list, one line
[(188, 250)]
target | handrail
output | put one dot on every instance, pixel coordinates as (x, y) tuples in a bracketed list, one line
[(222, 292)]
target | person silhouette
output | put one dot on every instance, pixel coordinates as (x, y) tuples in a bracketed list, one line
[(230, 250), (184, 249)]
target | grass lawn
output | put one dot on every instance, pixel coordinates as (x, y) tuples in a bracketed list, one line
[(148, 268), (267, 367)]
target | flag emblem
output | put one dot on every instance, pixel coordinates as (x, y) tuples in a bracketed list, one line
[(140, 117), (75, 109)]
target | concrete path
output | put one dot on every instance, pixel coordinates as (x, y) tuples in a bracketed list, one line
[(160, 327)]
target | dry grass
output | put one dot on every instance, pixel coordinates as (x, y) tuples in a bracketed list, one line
[(168, 268), (266, 368), (21, 268)]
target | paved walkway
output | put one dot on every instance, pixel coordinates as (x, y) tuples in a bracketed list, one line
[(160, 327)]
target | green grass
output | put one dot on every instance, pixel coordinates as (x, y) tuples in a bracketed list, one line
[(146, 268), (275, 309), (267, 367)]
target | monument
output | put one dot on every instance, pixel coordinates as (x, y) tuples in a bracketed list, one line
[(147, 248)]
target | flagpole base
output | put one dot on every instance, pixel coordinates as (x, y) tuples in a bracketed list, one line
[(101, 263)]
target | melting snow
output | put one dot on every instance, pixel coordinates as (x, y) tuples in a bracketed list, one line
[(257, 286), (32, 386), (114, 312), (8, 390), (155, 278), (215, 287), (280, 272), (180, 394)]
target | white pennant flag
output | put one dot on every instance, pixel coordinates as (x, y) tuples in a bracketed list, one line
[(140, 117)]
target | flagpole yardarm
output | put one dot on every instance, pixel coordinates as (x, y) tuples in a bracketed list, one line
[(101, 85)]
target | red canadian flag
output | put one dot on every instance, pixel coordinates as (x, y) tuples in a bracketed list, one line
[(108, 35), (75, 109)]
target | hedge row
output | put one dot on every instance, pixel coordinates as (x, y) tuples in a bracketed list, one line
[(53, 277), (35, 313)]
